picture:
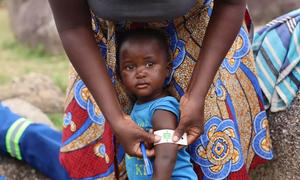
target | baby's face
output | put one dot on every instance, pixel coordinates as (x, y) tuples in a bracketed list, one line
[(143, 68)]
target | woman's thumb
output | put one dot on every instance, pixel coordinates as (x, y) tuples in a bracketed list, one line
[(179, 131), (150, 137)]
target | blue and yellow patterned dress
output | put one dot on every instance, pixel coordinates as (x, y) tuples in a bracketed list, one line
[(236, 132)]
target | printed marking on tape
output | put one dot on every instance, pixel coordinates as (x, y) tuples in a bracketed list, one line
[(166, 136)]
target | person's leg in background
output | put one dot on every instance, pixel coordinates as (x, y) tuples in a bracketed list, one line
[(36, 144)]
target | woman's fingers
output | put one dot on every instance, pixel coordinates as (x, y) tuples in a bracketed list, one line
[(179, 131), (149, 145), (191, 120), (149, 137), (133, 135), (138, 151), (150, 152), (193, 134)]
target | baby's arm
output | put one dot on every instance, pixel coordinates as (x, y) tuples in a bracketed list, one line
[(165, 154)]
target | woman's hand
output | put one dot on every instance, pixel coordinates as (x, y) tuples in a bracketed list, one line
[(191, 118), (209, 60), (130, 135)]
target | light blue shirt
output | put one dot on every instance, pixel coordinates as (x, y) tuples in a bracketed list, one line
[(142, 115)]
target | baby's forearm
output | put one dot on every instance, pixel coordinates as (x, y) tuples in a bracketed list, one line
[(165, 159), (165, 154)]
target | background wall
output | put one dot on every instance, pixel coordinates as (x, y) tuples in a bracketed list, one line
[(263, 11)]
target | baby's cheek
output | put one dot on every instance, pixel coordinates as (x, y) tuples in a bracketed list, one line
[(128, 77), (125, 76), (128, 81)]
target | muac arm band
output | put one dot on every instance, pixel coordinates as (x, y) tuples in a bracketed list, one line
[(166, 136), (13, 136)]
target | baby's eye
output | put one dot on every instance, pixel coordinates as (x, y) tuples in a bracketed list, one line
[(129, 67), (149, 64)]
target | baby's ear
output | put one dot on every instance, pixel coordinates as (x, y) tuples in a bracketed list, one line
[(168, 74), (169, 68)]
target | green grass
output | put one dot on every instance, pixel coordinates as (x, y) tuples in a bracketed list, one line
[(23, 52), (18, 60), (57, 119)]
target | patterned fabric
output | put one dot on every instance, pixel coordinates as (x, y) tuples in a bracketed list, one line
[(277, 54), (236, 135)]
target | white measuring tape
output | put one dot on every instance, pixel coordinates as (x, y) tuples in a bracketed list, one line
[(166, 136)]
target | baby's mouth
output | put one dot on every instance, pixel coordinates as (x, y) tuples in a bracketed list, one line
[(141, 85)]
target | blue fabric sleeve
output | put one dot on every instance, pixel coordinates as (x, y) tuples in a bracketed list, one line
[(167, 103), (40, 148), (7, 118), (39, 145)]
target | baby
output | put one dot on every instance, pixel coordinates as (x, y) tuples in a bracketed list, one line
[(144, 65)]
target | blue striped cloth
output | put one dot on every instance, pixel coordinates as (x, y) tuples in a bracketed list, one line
[(276, 50)]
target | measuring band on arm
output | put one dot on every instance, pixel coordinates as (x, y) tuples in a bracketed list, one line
[(166, 136)]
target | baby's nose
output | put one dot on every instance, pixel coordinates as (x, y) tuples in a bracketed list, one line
[(140, 72)]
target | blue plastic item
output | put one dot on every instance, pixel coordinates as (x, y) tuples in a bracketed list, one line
[(148, 165)]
